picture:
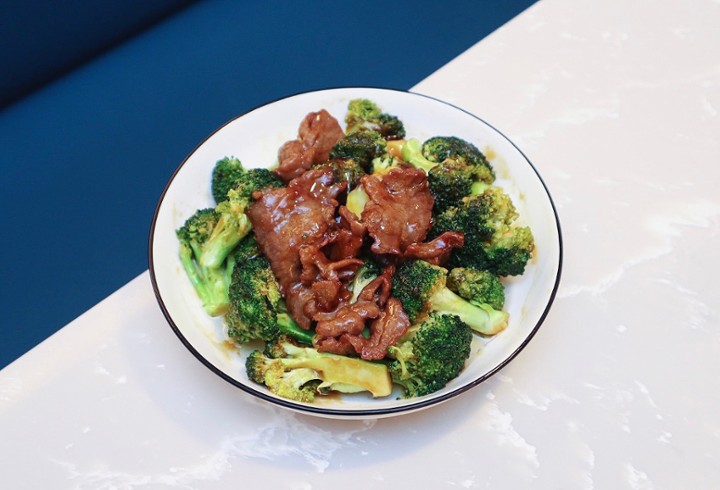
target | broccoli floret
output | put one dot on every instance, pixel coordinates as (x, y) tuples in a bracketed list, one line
[(412, 153), (257, 179), (298, 373), (477, 286), (344, 170), (246, 249), (229, 173), (383, 164), (257, 310), (360, 146), (442, 149), (492, 239), (430, 354), (453, 166), (225, 175), (255, 293), (364, 115), (452, 181), (298, 384), (455, 169), (210, 283), (421, 288), (449, 182), (232, 226), (237, 329)]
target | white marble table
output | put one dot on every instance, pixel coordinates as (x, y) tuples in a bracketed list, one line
[(616, 103)]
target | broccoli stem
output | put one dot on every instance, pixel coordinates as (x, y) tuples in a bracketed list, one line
[(412, 154), (340, 373), (226, 235), (209, 285), (478, 187), (290, 327), (482, 319)]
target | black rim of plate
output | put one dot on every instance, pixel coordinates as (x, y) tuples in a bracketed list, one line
[(351, 413)]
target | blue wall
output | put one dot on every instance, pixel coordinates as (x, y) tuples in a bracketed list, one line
[(85, 158)]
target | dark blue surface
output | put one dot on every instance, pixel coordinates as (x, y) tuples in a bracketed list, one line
[(85, 159), (45, 39)]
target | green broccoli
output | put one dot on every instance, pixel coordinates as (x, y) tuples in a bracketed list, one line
[(298, 373), (294, 383), (384, 163), (451, 182), (360, 146), (232, 226), (210, 284), (389, 160), (246, 249), (232, 187), (344, 170), (441, 149), (257, 179), (458, 169), (492, 239), (477, 286), (364, 115), (430, 354), (412, 153), (257, 309), (421, 288), (229, 173), (225, 175)]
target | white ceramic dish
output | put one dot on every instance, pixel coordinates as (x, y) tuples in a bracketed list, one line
[(254, 138)]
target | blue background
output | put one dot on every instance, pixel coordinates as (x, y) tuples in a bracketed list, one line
[(100, 101)]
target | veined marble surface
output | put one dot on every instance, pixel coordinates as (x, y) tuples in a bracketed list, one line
[(616, 104)]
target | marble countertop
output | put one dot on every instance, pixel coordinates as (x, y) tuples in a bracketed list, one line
[(616, 104)]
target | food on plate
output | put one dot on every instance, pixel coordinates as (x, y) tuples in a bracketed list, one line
[(432, 353), (300, 373), (493, 240), (422, 289), (362, 260)]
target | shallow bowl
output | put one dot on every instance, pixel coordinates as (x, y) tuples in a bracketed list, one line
[(254, 138)]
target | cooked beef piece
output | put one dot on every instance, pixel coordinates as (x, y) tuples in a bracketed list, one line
[(348, 319), (387, 329), (316, 265), (436, 251), (285, 220), (325, 277), (380, 288), (399, 210), (335, 345), (300, 301), (344, 245), (341, 331), (318, 133)]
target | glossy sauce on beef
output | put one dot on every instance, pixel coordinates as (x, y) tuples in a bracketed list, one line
[(399, 211), (318, 133), (314, 243), (289, 219)]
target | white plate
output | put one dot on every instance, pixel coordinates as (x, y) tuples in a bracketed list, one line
[(254, 138)]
